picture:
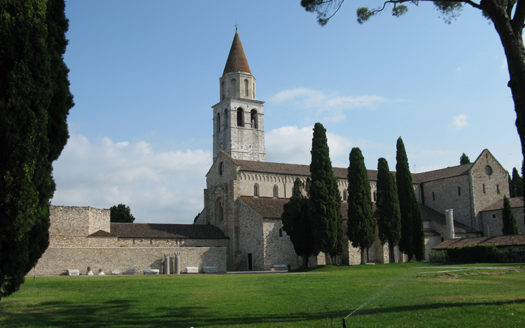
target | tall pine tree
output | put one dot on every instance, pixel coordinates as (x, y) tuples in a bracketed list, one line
[(361, 224), (387, 208), (34, 103), (412, 235), (509, 222), (297, 223), (325, 201), (464, 159), (516, 184)]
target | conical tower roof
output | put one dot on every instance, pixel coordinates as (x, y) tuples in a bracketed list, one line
[(237, 61)]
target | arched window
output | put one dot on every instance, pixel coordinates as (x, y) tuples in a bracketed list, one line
[(256, 190), (232, 88), (222, 90), (240, 117), (218, 122), (275, 191), (246, 91), (344, 195), (226, 118), (253, 90), (221, 168), (253, 119)]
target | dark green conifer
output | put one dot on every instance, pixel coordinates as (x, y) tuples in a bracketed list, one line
[(361, 224), (297, 223), (412, 240), (516, 184), (387, 208), (464, 159), (34, 103), (324, 199), (509, 222)]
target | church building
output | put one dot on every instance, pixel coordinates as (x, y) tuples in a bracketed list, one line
[(240, 226), (244, 194)]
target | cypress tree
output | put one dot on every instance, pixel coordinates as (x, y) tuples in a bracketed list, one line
[(297, 223), (516, 184), (325, 201), (387, 207), (361, 224), (509, 222), (412, 236), (464, 159), (34, 103)]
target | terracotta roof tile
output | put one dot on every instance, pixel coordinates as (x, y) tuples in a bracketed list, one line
[(237, 61), (509, 240), (447, 172), (515, 202), (166, 231)]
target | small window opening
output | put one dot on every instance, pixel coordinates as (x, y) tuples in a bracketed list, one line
[(484, 191), (246, 91), (497, 188), (281, 232), (433, 196), (232, 88), (240, 117), (375, 196), (493, 216), (253, 119), (222, 90), (226, 118), (221, 168), (459, 191), (256, 190), (218, 122), (275, 191), (344, 195)]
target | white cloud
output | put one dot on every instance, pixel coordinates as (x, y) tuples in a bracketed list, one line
[(158, 186), (460, 121), (325, 103), (291, 144)]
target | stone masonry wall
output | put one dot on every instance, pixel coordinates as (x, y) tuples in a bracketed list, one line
[(126, 260), (278, 248), (493, 222), (487, 188), (449, 193)]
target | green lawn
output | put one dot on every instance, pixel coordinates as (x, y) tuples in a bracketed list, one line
[(393, 295)]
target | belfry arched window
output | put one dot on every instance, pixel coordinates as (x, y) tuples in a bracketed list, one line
[(222, 90), (246, 90), (240, 117), (218, 122), (256, 190), (253, 119)]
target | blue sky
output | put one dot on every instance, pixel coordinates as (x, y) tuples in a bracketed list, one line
[(145, 74)]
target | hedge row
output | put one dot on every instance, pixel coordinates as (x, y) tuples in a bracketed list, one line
[(479, 253)]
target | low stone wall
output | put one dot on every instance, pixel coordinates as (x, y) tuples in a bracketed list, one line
[(126, 260)]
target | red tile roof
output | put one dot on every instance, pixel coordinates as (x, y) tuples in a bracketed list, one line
[(509, 240), (237, 61)]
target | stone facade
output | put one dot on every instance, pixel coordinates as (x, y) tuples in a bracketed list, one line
[(83, 236), (492, 217)]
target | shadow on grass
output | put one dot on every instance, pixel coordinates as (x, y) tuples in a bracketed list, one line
[(122, 313)]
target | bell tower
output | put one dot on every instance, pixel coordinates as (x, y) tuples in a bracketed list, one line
[(238, 118)]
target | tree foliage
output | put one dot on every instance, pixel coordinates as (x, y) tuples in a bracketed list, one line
[(412, 236), (516, 184), (387, 207), (121, 213), (34, 103), (508, 17), (464, 159), (509, 221), (361, 224), (325, 201), (297, 223)]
